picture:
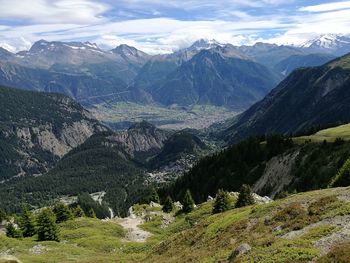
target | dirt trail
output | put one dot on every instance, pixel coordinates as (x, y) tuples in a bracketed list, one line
[(131, 224)]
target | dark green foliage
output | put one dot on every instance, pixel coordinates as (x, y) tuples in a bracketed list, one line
[(178, 145), (187, 203), (239, 164), (47, 227), (91, 207), (168, 205), (27, 222), (343, 176), (245, 197), (97, 165), (153, 196), (78, 211), (222, 202), (317, 164), (3, 215), (26, 109), (91, 213), (12, 231), (62, 212)]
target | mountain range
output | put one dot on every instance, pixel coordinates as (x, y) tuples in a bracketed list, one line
[(210, 72), (308, 97)]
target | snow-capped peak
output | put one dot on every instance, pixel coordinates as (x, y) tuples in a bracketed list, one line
[(328, 41), (205, 44)]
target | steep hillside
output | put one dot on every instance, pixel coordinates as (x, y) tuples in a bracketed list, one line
[(306, 227), (99, 164), (308, 97), (37, 129), (142, 140), (180, 145), (113, 162), (291, 63), (271, 167), (212, 78)]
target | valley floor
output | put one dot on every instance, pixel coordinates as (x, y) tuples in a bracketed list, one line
[(306, 227), (120, 115)]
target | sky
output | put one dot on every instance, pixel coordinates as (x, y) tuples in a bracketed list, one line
[(162, 26)]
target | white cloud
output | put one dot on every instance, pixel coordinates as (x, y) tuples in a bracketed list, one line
[(56, 11), (232, 21), (327, 7)]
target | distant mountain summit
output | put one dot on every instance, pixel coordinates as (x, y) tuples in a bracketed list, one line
[(329, 43), (205, 44)]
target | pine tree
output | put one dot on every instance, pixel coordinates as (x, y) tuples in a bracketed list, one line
[(12, 231), (187, 203), (91, 213), (47, 227), (222, 202), (78, 212), (168, 205), (154, 197), (62, 212), (245, 197), (27, 222)]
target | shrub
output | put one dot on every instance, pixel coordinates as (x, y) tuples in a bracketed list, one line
[(245, 197), (187, 203), (222, 202), (47, 227), (322, 205), (12, 231), (168, 205), (339, 254), (91, 213), (293, 217), (78, 211)]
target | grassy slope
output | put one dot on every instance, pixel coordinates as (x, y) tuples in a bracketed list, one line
[(329, 135), (200, 236)]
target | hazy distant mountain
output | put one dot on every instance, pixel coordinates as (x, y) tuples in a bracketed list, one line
[(287, 65), (211, 77), (331, 43), (308, 97), (269, 54)]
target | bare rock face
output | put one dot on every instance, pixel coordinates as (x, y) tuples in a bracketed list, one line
[(277, 175), (37, 129), (142, 138)]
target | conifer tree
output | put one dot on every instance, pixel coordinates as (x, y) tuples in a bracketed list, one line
[(222, 202), (47, 227), (187, 203), (154, 197), (245, 196), (168, 205), (62, 212), (27, 222)]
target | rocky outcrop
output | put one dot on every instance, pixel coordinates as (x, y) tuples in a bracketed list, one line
[(37, 129), (142, 139), (277, 174)]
